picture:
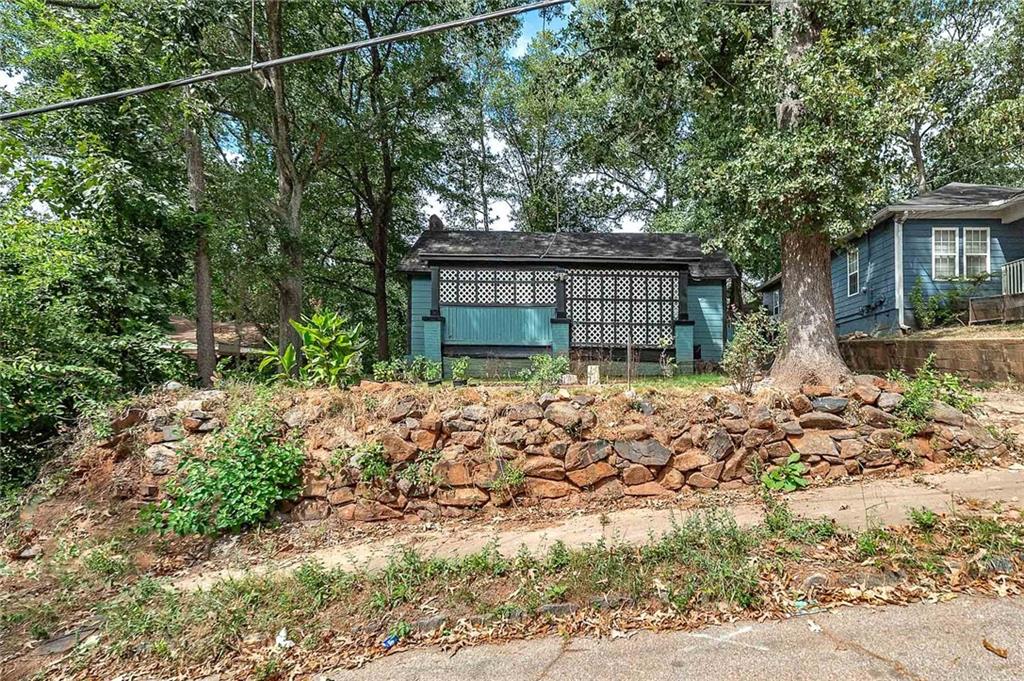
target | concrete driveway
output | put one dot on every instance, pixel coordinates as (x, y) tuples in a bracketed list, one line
[(921, 641)]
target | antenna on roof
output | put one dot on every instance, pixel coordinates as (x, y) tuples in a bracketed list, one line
[(435, 224)]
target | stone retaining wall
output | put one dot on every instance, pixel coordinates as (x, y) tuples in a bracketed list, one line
[(485, 452), (984, 360)]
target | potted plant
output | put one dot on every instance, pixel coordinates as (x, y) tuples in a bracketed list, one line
[(432, 372), (460, 367)]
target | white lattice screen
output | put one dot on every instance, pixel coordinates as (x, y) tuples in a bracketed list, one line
[(497, 287), (608, 306)]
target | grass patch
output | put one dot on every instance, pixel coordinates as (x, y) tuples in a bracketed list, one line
[(705, 563)]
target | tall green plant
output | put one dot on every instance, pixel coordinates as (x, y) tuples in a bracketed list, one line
[(330, 348)]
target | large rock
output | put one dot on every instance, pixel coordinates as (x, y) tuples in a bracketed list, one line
[(822, 420), (462, 497), (645, 452), (875, 417), (548, 489), (608, 490), (865, 392), (524, 411), (889, 401), (593, 474), (545, 467), (851, 449), (800, 403), (475, 412), (454, 473), (160, 459), (885, 438), (468, 438), (735, 426), (701, 481), (814, 443), (690, 460), (425, 440), (511, 435), (632, 431), (671, 479), (943, 413), (647, 489), (637, 475), (405, 408), (165, 434), (396, 449), (719, 445), (312, 509), (831, 405), (582, 454), (562, 414)]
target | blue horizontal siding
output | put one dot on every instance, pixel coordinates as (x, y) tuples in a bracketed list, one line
[(873, 307), (419, 307), (481, 325), (706, 307), (1007, 244)]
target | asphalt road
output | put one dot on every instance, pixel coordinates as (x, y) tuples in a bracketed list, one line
[(917, 642)]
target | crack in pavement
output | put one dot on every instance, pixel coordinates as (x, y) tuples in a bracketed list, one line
[(895, 665)]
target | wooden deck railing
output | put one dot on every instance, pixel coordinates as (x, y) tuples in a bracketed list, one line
[(1013, 277)]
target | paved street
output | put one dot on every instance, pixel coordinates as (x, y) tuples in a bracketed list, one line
[(918, 642)]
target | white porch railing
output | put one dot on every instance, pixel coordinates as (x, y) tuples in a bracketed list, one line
[(1013, 277)]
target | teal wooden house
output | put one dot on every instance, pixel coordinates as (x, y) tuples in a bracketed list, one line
[(501, 297)]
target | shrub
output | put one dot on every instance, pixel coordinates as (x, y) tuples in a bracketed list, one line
[(945, 307), (330, 347), (460, 368), (372, 463), (545, 369), (250, 467), (388, 370), (757, 336), (927, 387)]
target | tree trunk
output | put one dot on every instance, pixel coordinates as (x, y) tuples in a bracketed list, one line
[(206, 350), (811, 353), (917, 152), (289, 189), (380, 288)]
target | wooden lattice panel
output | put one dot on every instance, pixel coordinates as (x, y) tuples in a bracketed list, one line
[(619, 307), (497, 287)]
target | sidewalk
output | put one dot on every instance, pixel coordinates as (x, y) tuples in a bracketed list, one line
[(936, 642), (855, 506)]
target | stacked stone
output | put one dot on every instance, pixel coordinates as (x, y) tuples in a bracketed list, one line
[(464, 457)]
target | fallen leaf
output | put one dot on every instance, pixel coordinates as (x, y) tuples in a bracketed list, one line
[(994, 649), (813, 626)]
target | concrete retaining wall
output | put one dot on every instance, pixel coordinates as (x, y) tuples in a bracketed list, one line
[(981, 360)]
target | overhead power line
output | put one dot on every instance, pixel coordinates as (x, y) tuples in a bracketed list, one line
[(294, 59)]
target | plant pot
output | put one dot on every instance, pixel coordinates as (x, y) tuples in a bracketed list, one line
[(434, 381), (458, 382)]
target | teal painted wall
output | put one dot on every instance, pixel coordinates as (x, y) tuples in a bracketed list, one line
[(706, 308), (684, 347), (559, 339), (473, 325), (432, 331), (419, 305)]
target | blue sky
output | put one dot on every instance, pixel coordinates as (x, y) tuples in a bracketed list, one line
[(532, 24)]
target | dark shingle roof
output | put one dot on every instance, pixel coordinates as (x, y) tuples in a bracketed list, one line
[(984, 197), (622, 248)]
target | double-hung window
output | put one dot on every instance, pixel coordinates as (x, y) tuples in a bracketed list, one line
[(776, 295), (977, 253), (944, 253), (853, 271)]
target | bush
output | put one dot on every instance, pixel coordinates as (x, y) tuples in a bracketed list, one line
[(545, 369), (330, 347), (757, 336), (927, 387), (945, 307), (81, 305), (460, 368), (249, 468)]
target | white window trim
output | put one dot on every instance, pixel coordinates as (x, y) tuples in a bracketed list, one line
[(956, 252), (854, 251), (988, 248)]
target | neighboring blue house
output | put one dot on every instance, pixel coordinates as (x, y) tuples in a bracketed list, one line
[(956, 232), (500, 297)]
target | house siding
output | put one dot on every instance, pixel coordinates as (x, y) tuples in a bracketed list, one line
[(419, 307), (1006, 244), (481, 325), (873, 308), (706, 307)]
